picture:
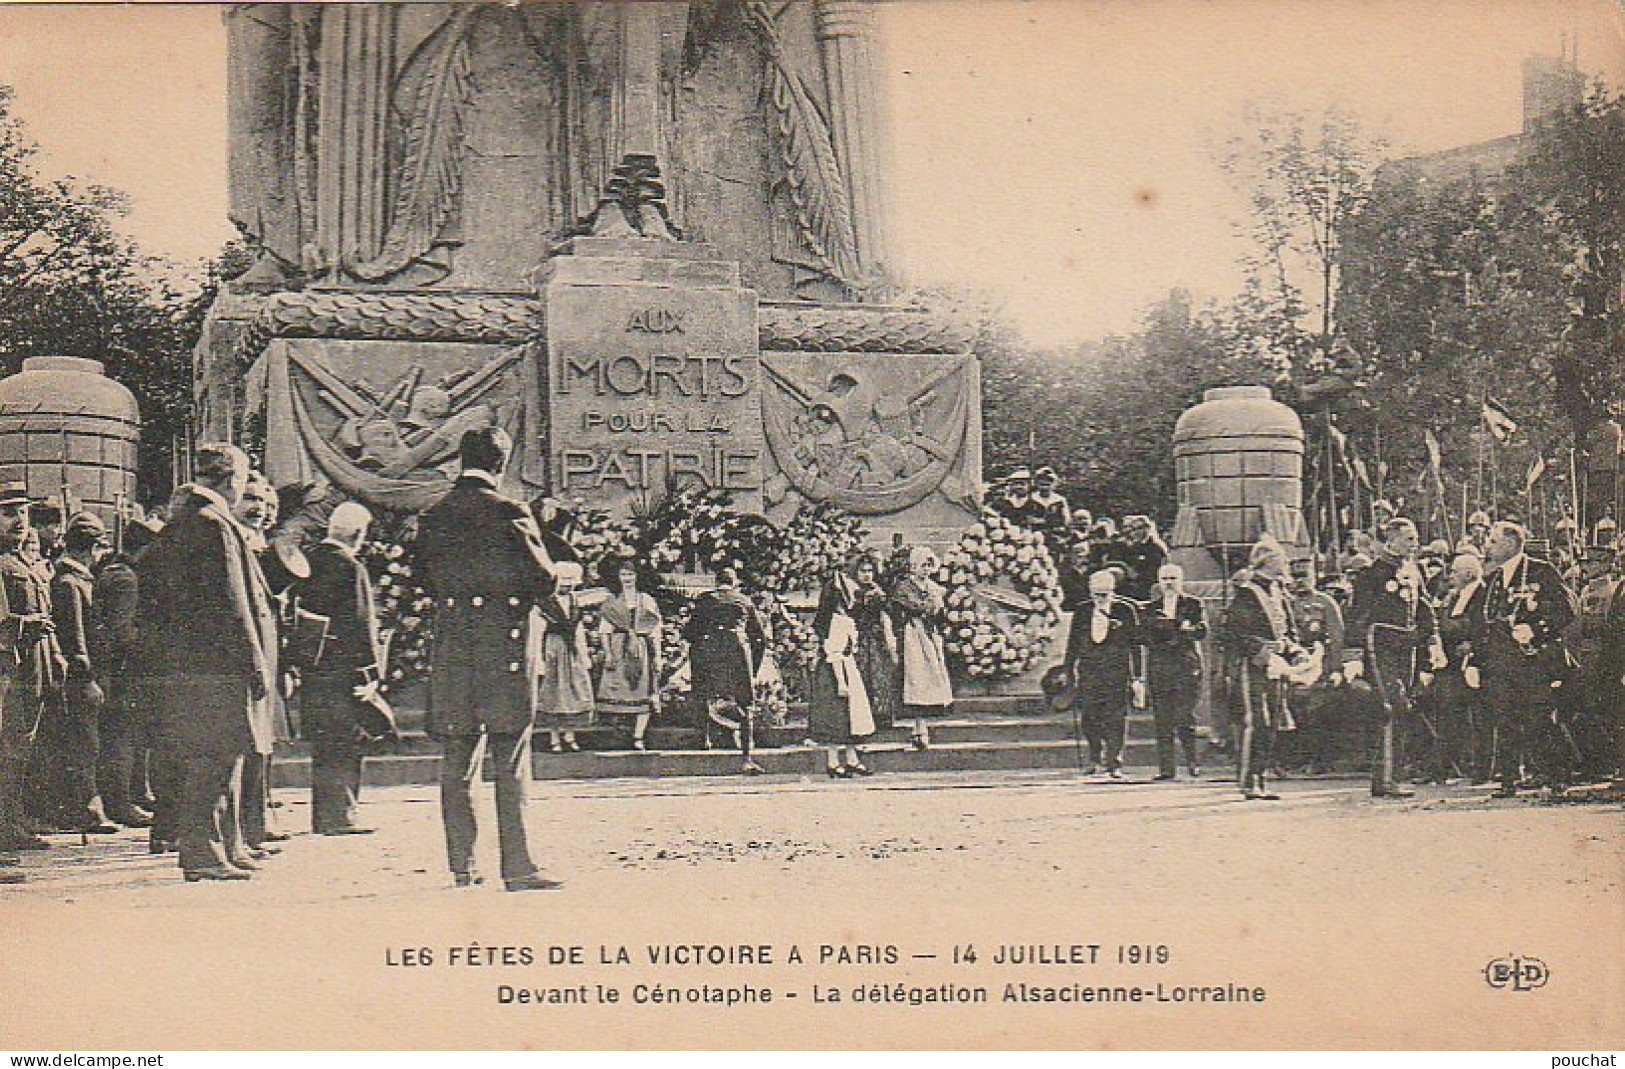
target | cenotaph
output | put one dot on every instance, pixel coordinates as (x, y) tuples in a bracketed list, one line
[(647, 238)]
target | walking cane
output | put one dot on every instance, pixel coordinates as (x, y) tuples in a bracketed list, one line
[(1077, 720), (1244, 766)]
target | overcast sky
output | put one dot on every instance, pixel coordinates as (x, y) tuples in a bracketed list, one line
[(1054, 155)]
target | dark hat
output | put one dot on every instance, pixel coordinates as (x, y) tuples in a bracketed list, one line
[(1046, 472), (1060, 688), (46, 510), (86, 527), (13, 493)]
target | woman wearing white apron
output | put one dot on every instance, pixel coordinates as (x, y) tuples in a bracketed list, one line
[(918, 603), (631, 629), (838, 715)]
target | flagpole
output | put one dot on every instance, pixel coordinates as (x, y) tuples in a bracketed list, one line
[(1382, 472), (1495, 481), (1330, 482), (1574, 497)]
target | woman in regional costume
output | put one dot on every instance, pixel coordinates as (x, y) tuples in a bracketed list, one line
[(877, 643), (838, 713), (918, 602), (564, 698), (630, 625)]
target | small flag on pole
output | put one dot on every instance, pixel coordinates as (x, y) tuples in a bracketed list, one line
[(1363, 475), (1501, 425), (1434, 460), (1536, 470)]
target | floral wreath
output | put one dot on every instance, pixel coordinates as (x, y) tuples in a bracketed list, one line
[(996, 633)]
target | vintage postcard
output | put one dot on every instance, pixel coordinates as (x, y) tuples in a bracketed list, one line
[(812, 524)]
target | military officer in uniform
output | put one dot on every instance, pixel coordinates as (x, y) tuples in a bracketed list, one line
[(30, 666), (1598, 646), (1052, 515), (1323, 703), (1391, 619), (1015, 502), (1476, 536), (78, 803), (480, 556), (1527, 608), (1262, 638)]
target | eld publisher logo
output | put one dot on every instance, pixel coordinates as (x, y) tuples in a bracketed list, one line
[(1516, 974)]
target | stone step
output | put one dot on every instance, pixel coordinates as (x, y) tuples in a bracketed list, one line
[(943, 731), (977, 707), (292, 770)]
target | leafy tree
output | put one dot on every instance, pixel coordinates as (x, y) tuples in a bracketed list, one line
[(1503, 284), (1304, 177), (71, 284)]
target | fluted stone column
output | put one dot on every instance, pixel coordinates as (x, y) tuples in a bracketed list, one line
[(357, 62), (846, 34)]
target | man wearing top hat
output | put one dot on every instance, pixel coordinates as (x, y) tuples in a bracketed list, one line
[(30, 665), (480, 556)]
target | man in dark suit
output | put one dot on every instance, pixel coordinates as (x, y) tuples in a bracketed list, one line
[(1391, 620), (726, 641), (1100, 652), (1173, 628), (30, 666), (1527, 607), (1451, 700), (125, 725), (480, 556), (339, 589), (207, 627)]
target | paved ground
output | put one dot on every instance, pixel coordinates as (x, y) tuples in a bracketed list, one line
[(1330, 898), (1038, 828)]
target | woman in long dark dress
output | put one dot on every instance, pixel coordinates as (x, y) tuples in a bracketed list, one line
[(838, 714), (877, 643)]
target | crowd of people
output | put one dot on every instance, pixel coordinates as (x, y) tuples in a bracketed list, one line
[(1431, 662), (149, 671)]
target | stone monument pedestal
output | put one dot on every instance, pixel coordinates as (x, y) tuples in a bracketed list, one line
[(653, 375)]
